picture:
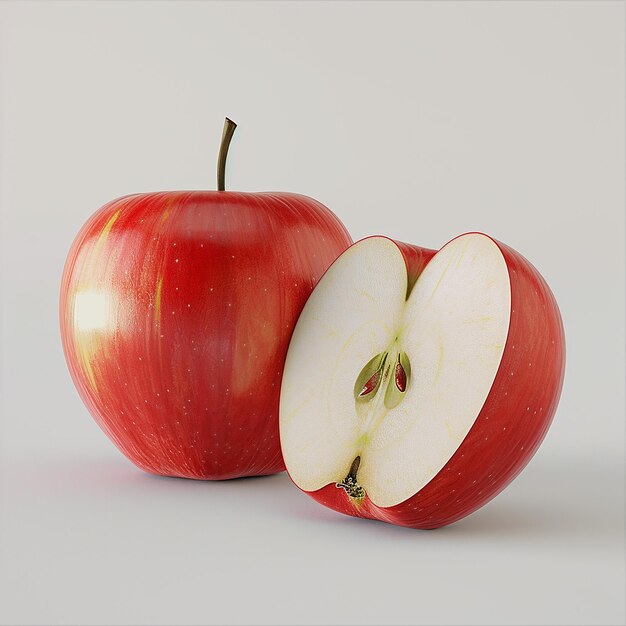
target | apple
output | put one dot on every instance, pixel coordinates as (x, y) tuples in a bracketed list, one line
[(176, 310), (419, 384)]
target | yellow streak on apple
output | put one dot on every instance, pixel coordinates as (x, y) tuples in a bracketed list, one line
[(86, 298)]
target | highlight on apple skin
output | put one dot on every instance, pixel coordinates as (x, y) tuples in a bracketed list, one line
[(176, 311), (418, 384)]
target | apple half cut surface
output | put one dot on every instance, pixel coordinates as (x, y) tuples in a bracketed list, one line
[(418, 384)]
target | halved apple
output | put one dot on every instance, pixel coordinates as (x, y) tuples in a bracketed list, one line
[(418, 384)]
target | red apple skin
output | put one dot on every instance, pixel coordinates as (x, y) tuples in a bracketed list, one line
[(182, 369), (512, 423)]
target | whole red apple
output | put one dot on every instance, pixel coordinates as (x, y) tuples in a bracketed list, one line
[(419, 384), (176, 310)]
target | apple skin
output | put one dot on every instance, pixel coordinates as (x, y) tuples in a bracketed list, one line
[(176, 310), (513, 421)]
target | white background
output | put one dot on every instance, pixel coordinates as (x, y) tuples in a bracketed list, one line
[(415, 120)]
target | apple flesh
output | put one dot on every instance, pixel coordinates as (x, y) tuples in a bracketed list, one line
[(418, 384), (176, 311)]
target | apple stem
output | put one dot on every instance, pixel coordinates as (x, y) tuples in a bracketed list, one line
[(354, 468), (227, 135), (350, 485)]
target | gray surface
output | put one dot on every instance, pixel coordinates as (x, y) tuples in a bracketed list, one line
[(92, 541), (415, 120)]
